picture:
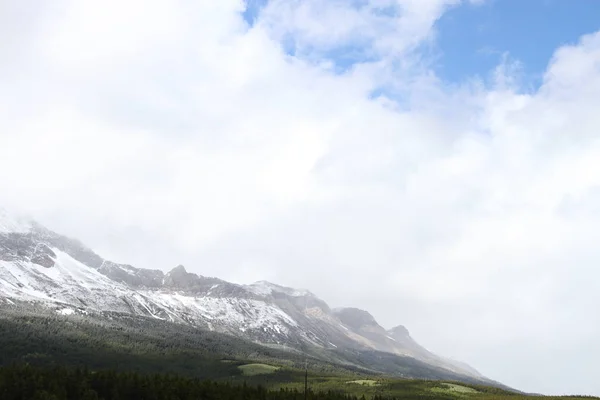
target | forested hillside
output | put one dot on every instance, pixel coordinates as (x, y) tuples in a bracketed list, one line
[(127, 343)]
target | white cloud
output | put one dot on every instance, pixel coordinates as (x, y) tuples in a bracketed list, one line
[(168, 132)]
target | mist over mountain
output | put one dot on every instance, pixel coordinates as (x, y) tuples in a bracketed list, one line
[(53, 272)]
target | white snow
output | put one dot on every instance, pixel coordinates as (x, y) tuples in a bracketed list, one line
[(389, 337), (265, 288), (130, 271), (261, 288), (228, 311), (68, 281)]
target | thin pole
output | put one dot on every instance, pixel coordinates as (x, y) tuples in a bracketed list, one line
[(305, 359), (306, 382)]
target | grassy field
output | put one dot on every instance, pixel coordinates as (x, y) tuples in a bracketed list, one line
[(365, 382), (371, 387), (257, 369), (27, 382), (453, 388)]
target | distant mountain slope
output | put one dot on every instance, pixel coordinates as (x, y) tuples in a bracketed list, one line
[(39, 266)]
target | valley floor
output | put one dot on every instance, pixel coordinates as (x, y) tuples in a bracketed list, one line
[(54, 356), (59, 383)]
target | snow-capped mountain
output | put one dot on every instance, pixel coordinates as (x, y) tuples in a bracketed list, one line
[(43, 267)]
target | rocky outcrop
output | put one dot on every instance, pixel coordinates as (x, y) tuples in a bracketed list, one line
[(355, 317)]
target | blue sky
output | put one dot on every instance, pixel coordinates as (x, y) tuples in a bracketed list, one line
[(252, 10), (472, 38)]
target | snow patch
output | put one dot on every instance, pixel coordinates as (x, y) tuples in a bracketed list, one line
[(236, 313), (265, 288), (67, 282), (65, 311), (129, 270)]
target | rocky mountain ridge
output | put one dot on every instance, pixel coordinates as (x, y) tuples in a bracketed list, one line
[(41, 266)]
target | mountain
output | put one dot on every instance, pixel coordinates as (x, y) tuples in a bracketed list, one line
[(46, 269)]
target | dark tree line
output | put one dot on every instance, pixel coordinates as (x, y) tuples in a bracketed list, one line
[(58, 383)]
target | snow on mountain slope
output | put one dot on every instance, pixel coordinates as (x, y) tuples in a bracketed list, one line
[(264, 288), (231, 314), (67, 281), (70, 282), (38, 265)]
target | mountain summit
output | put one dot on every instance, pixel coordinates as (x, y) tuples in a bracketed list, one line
[(13, 222), (38, 266)]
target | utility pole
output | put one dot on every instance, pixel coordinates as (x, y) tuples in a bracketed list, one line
[(306, 381), (305, 358), (305, 353)]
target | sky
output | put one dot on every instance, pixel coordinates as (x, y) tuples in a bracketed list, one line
[(436, 162)]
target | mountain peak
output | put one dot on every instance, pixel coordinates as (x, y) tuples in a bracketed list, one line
[(11, 222), (179, 277), (179, 270), (399, 331), (355, 317)]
